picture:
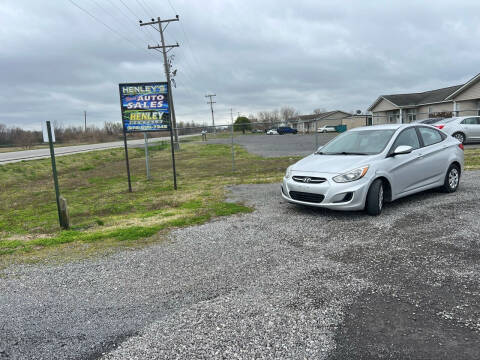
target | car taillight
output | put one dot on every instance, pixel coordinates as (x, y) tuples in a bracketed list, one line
[(461, 146), (439, 126)]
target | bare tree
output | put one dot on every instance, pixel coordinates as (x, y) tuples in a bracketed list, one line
[(287, 112), (3, 134)]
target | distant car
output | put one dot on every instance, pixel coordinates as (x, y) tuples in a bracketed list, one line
[(286, 130), (366, 167), (429, 121), (464, 128), (325, 129), (272, 132), (255, 131)]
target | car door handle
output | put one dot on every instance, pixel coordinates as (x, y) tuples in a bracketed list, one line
[(420, 156)]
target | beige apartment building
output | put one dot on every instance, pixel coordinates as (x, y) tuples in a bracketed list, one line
[(459, 100), (308, 123)]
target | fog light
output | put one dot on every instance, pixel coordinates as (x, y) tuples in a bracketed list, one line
[(344, 197)]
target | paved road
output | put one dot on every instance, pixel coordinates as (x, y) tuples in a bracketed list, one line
[(278, 145), (15, 156), (283, 282), (285, 145)]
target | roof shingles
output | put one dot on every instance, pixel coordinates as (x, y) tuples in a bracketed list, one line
[(426, 97)]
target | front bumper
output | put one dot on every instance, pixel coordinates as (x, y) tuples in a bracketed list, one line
[(337, 196)]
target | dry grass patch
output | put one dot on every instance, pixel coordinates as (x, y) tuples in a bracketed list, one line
[(104, 215)]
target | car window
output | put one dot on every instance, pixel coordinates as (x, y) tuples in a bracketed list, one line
[(407, 137), (359, 142), (430, 136), (470, 121)]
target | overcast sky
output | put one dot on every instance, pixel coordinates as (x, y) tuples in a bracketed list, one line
[(57, 61)]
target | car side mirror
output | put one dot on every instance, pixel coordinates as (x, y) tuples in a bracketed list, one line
[(402, 149)]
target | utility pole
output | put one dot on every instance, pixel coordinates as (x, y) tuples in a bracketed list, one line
[(85, 116), (211, 102), (164, 50)]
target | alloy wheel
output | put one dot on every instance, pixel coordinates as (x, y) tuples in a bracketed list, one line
[(460, 137), (380, 197), (453, 178)]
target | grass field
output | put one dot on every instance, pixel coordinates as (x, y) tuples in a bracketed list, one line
[(104, 215), (472, 159)]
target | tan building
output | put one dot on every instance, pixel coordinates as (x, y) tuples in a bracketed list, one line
[(459, 100), (308, 123), (355, 120)]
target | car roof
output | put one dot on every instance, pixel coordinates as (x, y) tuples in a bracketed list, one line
[(381, 127), (462, 117)]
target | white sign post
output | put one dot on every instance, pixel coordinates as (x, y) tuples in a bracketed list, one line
[(45, 132)]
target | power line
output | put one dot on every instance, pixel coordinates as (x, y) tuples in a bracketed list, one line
[(114, 18), (131, 11), (165, 49), (143, 7), (187, 40), (147, 6), (135, 15), (128, 18), (106, 25)]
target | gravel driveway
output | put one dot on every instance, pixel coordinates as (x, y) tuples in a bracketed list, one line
[(281, 282)]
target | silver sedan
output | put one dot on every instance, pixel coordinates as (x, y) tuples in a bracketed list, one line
[(365, 167), (464, 128)]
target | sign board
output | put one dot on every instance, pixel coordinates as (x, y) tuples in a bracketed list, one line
[(145, 106), (45, 132)]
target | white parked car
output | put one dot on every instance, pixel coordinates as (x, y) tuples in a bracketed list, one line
[(272, 132), (365, 167), (325, 129), (463, 128)]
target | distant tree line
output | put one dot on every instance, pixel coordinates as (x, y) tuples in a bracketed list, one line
[(18, 137), (264, 120), (13, 136)]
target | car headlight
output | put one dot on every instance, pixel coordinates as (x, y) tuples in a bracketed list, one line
[(288, 174), (351, 175)]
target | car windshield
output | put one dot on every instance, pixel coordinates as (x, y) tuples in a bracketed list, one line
[(361, 142)]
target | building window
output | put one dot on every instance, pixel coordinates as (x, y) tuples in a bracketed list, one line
[(411, 115), (430, 111), (478, 107), (392, 116)]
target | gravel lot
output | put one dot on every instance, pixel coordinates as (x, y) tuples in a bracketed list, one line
[(281, 282)]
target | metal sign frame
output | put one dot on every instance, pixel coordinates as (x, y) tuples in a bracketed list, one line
[(147, 105)]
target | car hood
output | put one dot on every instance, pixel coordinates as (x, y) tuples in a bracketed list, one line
[(332, 164)]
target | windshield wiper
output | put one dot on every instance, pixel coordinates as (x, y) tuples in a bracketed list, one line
[(347, 153)]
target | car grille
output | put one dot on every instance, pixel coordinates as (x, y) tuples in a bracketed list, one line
[(309, 179), (306, 197)]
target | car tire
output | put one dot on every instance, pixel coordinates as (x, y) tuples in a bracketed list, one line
[(452, 179), (460, 137), (375, 198)]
